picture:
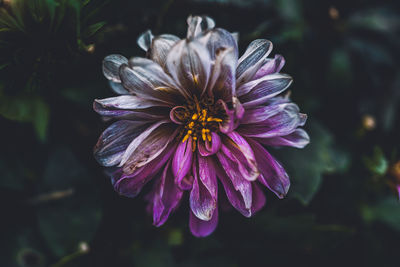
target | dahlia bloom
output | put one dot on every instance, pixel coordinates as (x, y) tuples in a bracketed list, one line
[(193, 116)]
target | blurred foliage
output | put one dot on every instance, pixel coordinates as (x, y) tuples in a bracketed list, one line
[(58, 207)]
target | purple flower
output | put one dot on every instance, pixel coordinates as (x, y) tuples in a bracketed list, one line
[(193, 116)]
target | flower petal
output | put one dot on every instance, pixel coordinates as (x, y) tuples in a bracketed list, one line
[(203, 196), (197, 25), (217, 39), (111, 66), (165, 197), (263, 113), (148, 145), (256, 92), (131, 184), (270, 66), (144, 40), (118, 88), (114, 140), (273, 175), (238, 190), (258, 198), (236, 148), (160, 47), (182, 161), (299, 138), (189, 63), (280, 124), (252, 59), (200, 228), (209, 148)]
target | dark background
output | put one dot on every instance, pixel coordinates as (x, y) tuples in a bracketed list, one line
[(59, 209)]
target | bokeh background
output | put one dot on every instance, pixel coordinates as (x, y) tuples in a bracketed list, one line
[(59, 209)]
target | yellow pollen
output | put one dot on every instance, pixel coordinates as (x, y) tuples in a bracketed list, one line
[(203, 134), (213, 119), (204, 114), (209, 137), (185, 138), (191, 124), (195, 116), (194, 138), (195, 80)]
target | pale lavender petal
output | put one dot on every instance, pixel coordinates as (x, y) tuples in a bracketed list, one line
[(280, 124), (273, 175), (114, 140), (217, 39), (299, 138), (111, 66), (203, 196), (166, 197), (258, 91), (144, 40), (209, 148), (154, 137), (252, 59), (160, 47), (236, 148), (200, 228), (189, 63), (182, 161), (197, 25), (141, 85), (118, 88), (271, 65), (222, 83), (177, 114), (131, 184)]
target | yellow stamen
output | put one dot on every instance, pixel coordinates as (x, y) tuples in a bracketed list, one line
[(203, 134), (193, 146), (209, 137), (213, 119), (195, 80), (195, 116), (191, 124), (185, 138), (194, 138), (204, 114)]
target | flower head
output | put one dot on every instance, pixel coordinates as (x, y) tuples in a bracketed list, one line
[(193, 116)]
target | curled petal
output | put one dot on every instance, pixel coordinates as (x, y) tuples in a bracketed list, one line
[(111, 66), (114, 140), (258, 198), (252, 59), (236, 148), (208, 148), (273, 175), (270, 66), (256, 92), (203, 196), (299, 138), (160, 47), (230, 121), (189, 63), (200, 228), (197, 25), (217, 39), (165, 197), (182, 161), (131, 184), (144, 40)]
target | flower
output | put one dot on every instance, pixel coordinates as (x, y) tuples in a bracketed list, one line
[(191, 114)]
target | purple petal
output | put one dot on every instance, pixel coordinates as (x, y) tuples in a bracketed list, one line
[(200, 228), (111, 66), (114, 140), (182, 161), (299, 138), (131, 184), (263, 113), (238, 190), (232, 117), (166, 197), (270, 66), (235, 147), (189, 63), (280, 124), (144, 40), (252, 59), (160, 47), (273, 175), (258, 198), (203, 196), (148, 145), (197, 25), (256, 92), (209, 148)]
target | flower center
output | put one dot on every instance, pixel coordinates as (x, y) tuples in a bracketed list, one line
[(200, 118)]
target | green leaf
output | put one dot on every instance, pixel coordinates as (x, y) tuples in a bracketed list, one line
[(377, 164), (93, 29), (68, 207), (386, 211)]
